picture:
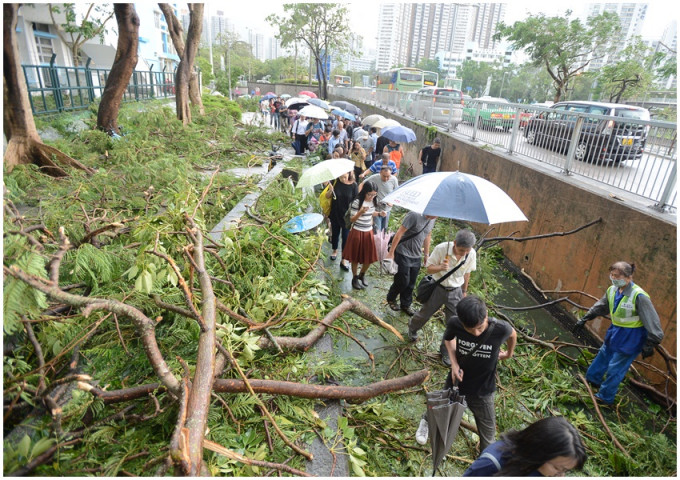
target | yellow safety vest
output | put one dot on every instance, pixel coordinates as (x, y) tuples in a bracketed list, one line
[(626, 314)]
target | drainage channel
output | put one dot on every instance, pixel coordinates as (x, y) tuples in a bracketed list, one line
[(325, 462)]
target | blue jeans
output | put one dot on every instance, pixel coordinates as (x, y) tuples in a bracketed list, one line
[(615, 365), (380, 223)]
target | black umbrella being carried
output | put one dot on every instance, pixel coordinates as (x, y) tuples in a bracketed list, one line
[(444, 411)]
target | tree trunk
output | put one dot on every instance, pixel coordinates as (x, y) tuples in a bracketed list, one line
[(121, 70), (176, 34), (186, 64), (24, 144)]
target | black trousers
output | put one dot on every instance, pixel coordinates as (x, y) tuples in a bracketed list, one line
[(403, 284), (303, 141)]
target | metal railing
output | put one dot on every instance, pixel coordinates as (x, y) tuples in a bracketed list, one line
[(635, 156), (55, 89)]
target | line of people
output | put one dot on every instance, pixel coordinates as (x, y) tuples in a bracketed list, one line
[(473, 343)]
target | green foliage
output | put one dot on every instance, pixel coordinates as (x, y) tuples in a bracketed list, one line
[(322, 27), (18, 298), (630, 75), (562, 45)]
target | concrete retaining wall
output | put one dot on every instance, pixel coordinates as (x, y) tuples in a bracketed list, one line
[(556, 203)]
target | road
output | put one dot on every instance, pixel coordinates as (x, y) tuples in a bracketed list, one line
[(646, 177)]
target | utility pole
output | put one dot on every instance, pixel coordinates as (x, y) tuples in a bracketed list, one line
[(212, 67)]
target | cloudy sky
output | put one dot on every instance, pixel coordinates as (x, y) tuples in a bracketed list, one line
[(364, 15)]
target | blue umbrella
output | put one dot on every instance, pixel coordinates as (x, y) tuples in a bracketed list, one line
[(399, 134), (319, 103), (343, 114), (268, 96), (303, 222)]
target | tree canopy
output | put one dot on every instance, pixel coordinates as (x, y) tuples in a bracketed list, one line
[(320, 26), (565, 47), (78, 29)]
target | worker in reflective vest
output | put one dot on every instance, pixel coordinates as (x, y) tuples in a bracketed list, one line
[(635, 329)]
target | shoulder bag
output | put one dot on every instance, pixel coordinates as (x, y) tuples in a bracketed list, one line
[(325, 201), (427, 284)]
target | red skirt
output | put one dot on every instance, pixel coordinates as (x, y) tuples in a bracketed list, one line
[(360, 247)]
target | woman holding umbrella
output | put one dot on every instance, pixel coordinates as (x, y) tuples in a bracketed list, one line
[(360, 247), (345, 190)]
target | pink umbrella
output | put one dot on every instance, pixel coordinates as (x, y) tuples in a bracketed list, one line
[(308, 93)]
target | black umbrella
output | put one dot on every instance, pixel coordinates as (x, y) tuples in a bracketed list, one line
[(297, 106), (348, 107), (444, 411)]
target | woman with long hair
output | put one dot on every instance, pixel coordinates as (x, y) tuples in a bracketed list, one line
[(342, 192), (360, 246), (549, 447)]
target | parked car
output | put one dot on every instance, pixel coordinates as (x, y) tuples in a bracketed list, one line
[(438, 105), (492, 113), (600, 140)]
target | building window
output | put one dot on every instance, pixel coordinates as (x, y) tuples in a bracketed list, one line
[(157, 19), (165, 42), (43, 42)]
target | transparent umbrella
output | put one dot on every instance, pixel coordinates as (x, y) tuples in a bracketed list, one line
[(325, 171)]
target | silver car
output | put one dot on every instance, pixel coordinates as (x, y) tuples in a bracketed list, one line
[(443, 106)]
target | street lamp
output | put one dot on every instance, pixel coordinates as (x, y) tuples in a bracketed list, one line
[(500, 95)]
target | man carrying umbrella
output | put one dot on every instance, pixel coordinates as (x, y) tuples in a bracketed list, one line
[(299, 129), (473, 342)]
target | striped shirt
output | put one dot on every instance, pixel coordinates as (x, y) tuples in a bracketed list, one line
[(365, 222)]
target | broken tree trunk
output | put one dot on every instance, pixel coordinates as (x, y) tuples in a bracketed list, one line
[(24, 144), (123, 65), (177, 35)]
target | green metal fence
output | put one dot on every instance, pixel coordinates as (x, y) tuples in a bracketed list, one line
[(54, 89)]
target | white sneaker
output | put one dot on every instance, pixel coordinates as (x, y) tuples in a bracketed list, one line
[(423, 432)]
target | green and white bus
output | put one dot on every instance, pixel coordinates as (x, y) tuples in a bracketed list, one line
[(401, 79), (452, 82), (430, 79)]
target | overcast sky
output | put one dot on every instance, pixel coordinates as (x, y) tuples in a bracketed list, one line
[(364, 15)]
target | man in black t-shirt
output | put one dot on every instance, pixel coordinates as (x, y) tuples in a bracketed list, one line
[(429, 156), (476, 373)]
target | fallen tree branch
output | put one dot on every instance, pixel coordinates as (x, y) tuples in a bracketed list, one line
[(217, 448), (249, 388), (144, 325), (331, 392), (602, 420), (537, 237), (305, 343)]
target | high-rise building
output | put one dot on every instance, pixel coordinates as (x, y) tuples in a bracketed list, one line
[(631, 16), (411, 32)]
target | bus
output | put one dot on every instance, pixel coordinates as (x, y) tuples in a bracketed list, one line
[(342, 81), (453, 82), (430, 79), (402, 79)]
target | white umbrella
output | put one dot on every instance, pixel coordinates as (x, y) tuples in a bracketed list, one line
[(325, 171), (371, 119), (386, 122), (456, 195), (312, 111), (293, 100)]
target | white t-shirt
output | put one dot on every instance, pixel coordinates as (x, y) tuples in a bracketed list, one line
[(456, 279), (300, 126)]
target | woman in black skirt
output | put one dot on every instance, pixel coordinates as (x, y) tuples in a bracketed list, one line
[(360, 246)]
